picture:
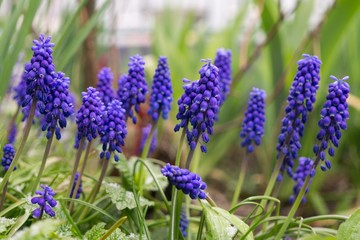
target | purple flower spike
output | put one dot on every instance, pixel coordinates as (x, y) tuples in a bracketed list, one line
[(8, 156), (334, 115), (190, 183), (253, 124), (45, 201), (302, 96), (39, 73), (199, 105), (223, 63), (161, 95), (302, 171), (113, 130), (104, 85), (145, 134), (59, 106), (184, 222), (133, 89), (12, 135), (89, 116), (79, 191)]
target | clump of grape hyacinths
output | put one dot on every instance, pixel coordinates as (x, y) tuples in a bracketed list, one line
[(184, 222), (46, 202), (303, 170), (199, 106), (190, 183), (59, 106), (145, 134), (8, 156), (79, 191), (39, 73), (334, 115), (161, 95), (223, 63), (253, 125), (104, 85), (133, 89), (89, 116), (302, 96), (113, 130)]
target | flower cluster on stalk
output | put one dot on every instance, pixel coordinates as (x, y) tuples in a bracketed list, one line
[(302, 96), (303, 170), (79, 191), (145, 134), (45, 200), (199, 106), (89, 116), (113, 130), (8, 156), (133, 89), (334, 115), (223, 63), (59, 106), (161, 95), (104, 85), (253, 125), (190, 183), (184, 222), (12, 134)]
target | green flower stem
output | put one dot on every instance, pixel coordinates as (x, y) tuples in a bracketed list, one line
[(3, 196), (42, 167), (88, 148), (76, 164), (12, 122), (142, 176), (240, 181), (113, 228), (179, 150), (201, 226), (101, 178), (210, 201), (22, 144), (298, 200)]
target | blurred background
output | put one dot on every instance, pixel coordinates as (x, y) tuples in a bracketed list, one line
[(266, 39)]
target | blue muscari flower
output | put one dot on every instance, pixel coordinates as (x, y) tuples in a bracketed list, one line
[(45, 201), (253, 124), (79, 191), (303, 170), (145, 134), (223, 63), (39, 73), (184, 222), (89, 116), (190, 183), (199, 106), (59, 106), (8, 156), (161, 95), (334, 115), (12, 135), (113, 130), (302, 96), (133, 90), (104, 85)]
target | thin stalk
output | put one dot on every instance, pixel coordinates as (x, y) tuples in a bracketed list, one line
[(42, 167), (3, 196), (144, 154), (113, 228), (101, 178), (201, 226), (240, 181), (77, 185), (298, 200), (12, 122), (22, 144), (179, 150), (191, 154), (76, 164)]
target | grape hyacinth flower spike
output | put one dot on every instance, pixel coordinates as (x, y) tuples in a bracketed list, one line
[(113, 130), (334, 115), (104, 85), (223, 63), (8, 156), (145, 134), (79, 191), (253, 124), (46, 202), (133, 89), (302, 96), (303, 170), (190, 183), (161, 95), (184, 222)]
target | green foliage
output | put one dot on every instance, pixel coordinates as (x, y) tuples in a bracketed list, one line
[(5, 223), (350, 229), (40, 230)]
